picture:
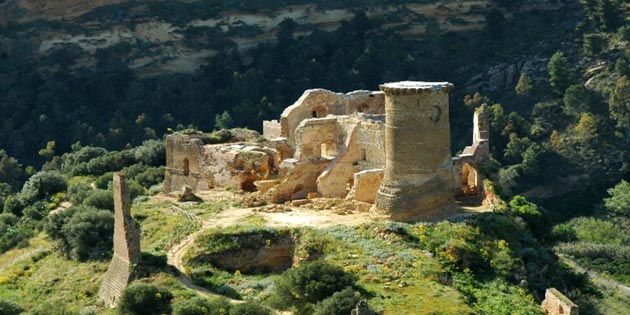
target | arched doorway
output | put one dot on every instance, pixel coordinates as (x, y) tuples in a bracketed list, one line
[(469, 180)]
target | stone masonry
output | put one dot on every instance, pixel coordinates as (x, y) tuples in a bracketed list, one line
[(417, 178), (126, 246), (556, 303), (390, 148)]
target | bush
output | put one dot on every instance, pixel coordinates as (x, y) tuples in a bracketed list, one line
[(340, 303), (102, 199), (102, 182), (79, 191), (82, 232), (89, 234), (151, 152), (596, 231), (145, 299), (150, 177), (249, 308), (619, 201), (75, 163), (44, 184), (201, 306), (8, 308), (110, 162), (308, 284), (563, 233)]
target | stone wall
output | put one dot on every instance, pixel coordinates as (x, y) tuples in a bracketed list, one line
[(184, 162), (366, 185), (466, 177), (126, 246), (319, 103), (417, 179), (556, 303)]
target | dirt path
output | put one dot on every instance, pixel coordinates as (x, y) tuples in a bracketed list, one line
[(596, 277)]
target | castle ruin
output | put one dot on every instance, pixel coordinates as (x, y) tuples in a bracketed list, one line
[(126, 246), (390, 148)]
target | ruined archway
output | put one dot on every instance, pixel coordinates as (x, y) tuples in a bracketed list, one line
[(469, 180)]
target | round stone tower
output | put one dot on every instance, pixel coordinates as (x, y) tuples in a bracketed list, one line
[(417, 181)]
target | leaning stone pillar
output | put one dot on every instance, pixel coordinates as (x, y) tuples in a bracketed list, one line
[(417, 179), (126, 246)]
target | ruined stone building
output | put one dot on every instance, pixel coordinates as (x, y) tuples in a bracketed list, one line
[(390, 148)]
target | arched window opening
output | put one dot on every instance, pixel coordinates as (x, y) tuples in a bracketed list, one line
[(469, 180), (186, 167), (319, 111)]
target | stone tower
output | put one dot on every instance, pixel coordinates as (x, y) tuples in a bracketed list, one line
[(126, 246), (417, 179)]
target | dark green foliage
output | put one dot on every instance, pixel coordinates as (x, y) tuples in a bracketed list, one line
[(110, 162), (223, 121), (340, 303), (495, 23), (622, 65), (88, 234), (618, 203), (15, 204), (83, 233), (79, 191), (202, 306), (249, 308), (10, 171), (104, 181), (145, 299), (44, 184), (594, 44), (76, 162), (101, 199), (527, 210), (308, 284), (151, 176), (578, 99), (151, 153), (564, 233), (8, 308), (561, 74)]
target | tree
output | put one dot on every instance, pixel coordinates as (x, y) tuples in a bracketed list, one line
[(594, 44), (285, 31), (619, 105), (223, 121), (608, 14), (49, 150), (45, 183), (577, 99), (524, 85), (495, 23), (622, 65), (560, 74), (618, 203), (88, 234), (145, 299), (10, 170)]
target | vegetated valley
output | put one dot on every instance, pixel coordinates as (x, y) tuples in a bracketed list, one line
[(90, 89)]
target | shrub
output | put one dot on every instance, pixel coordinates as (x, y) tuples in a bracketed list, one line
[(75, 163), (151, 152), (150, 177), (14, 204), (82, 232), (310, 283), (249, 308), (45, 183), (619, 201), (145, 299), (527, 210), (110, 162), (102, 199), (79, 191), (102, 182), (596, 231), (89, 234), (340, 303), (563, 233), (9, 308), (201, 306)]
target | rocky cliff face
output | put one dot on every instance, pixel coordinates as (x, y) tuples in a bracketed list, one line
[(20, 11), (158, 46)]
